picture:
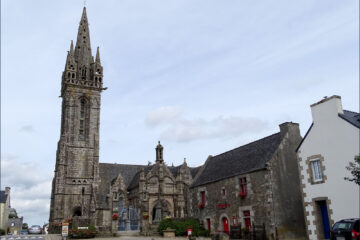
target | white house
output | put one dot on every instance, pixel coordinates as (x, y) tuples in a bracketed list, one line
[(330, 143)]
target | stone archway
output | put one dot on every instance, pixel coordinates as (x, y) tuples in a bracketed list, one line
[(77, 212), (160, 210)]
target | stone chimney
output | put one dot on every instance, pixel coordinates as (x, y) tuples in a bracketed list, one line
[(289, 127), (7, 190), (326, 109)]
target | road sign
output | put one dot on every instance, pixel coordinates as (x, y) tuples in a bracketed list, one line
[(65, 229)]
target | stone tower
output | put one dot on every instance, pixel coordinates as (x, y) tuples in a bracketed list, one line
[(77, 160)]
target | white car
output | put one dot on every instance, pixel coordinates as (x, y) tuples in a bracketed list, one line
[(35, 229)]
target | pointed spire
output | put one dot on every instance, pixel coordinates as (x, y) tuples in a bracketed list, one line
[(97, 59), (83, 48), (72, 48)]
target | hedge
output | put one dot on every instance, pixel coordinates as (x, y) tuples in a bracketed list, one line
[(181, 225)]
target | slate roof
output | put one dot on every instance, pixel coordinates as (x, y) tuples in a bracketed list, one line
[(194, 171), (108, 172), (3, 197), (244, 159), (351, 117), (135, 181)]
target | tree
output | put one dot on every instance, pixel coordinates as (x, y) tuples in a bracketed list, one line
[(354, 168)]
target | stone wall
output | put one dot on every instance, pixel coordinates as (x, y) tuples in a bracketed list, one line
[(231, 205)]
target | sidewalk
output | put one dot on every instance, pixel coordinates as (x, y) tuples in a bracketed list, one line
[(58, 237)]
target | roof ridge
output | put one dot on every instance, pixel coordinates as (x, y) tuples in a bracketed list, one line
[(247, 144), (350, 111), (124, 164)]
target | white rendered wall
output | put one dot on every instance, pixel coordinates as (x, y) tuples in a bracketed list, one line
[(337, 141)]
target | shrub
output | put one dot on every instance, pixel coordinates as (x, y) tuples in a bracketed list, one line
[(82, 233), (181, 225), (55, 228)]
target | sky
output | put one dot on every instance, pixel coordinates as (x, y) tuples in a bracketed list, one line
[(203, 77)]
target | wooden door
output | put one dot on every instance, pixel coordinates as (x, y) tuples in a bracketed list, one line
[(225, 225)]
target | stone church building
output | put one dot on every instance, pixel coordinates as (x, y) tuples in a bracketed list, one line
[(242, 185), (94, 193)]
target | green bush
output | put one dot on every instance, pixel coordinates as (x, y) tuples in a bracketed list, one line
[(181, 225)]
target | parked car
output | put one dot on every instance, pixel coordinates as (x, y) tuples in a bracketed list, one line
[(23, 232), (346, 229), (35, 229)]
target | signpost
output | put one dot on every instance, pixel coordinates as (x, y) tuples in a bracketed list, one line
[(65, 230), (189, 232)]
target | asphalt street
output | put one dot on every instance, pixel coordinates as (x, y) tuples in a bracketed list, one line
[(23, 237)]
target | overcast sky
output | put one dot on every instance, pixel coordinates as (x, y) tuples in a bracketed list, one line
[(202, 76)]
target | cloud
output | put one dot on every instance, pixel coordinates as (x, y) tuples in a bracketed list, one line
[(178, 128), (163, 115), (30, 188), (27, 128)]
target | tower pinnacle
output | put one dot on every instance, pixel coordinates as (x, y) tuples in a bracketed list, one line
[(83, 48), (97, 59)]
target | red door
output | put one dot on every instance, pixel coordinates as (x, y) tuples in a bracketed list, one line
[(225, 225)]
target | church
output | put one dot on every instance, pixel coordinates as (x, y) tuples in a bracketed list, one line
[(94, 193), (256, 184)]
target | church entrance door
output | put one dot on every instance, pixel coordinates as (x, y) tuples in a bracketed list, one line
[(128, 219)]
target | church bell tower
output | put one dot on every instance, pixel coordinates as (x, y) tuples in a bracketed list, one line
[(77, 160)]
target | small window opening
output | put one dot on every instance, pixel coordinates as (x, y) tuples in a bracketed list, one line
[(83, 73), (83, 191), (223, 191), (77, 211), (73, 75)]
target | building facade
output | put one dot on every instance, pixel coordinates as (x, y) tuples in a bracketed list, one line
[(331, 142), (259, 184), (253, 185), (4, 208)]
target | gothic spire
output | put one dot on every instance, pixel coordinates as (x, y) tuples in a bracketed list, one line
[(72, 48), (97, 59), (83, 48)]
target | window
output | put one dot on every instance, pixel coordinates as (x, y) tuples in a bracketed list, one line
[(247, 219), (243, 187), (316, 169), (208, 224), (223, 191), (203, 199)]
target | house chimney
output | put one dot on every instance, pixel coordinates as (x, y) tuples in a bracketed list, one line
[(326, 108), (289, 127), (7, 190)]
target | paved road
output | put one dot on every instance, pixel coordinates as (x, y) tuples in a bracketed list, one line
[(23, 237)]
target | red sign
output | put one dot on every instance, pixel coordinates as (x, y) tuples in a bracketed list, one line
[(188, 232), (222, 205)]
